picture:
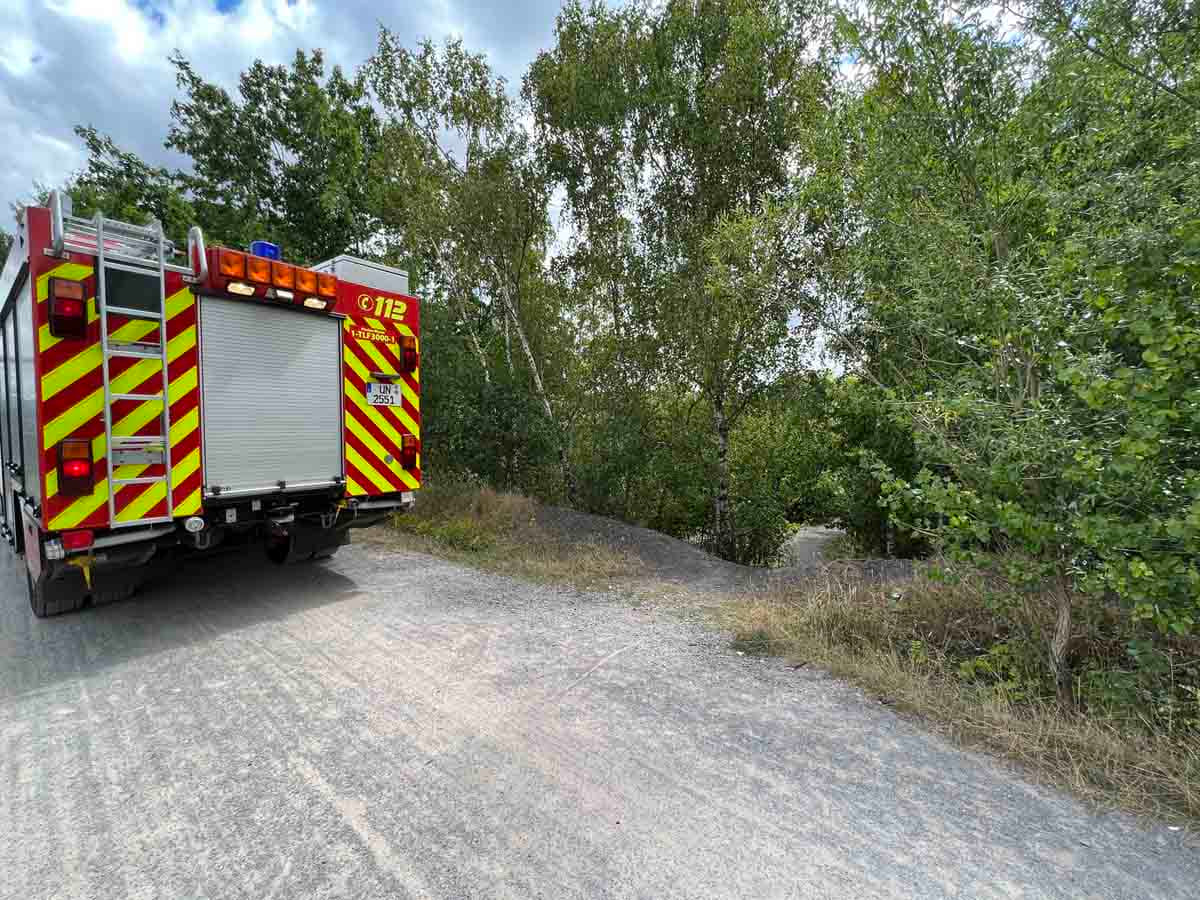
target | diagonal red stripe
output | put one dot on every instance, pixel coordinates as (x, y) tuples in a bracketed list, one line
[(370, 457), (372, 429)]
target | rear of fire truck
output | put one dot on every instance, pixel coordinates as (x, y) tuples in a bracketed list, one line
[(150, 408)]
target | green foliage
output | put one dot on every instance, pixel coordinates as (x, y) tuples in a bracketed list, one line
[(287, 159), (671, 128), (492, 429), (122, 186), (462, 193), (1029, 243)]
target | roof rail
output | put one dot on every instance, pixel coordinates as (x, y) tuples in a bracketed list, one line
[(56, 223), (197, 252), (124, 242)]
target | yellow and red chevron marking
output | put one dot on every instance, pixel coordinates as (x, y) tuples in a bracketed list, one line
[(374, 434), (72, 405)]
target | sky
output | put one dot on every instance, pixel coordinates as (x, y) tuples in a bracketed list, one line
[(104, 62)]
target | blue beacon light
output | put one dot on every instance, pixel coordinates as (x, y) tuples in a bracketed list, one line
[(264, 249)]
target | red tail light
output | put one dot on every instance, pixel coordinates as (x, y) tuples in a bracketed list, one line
[(76, 468), (408, 452), (408, 354), (75, 475), (68, 309), (77, 540)]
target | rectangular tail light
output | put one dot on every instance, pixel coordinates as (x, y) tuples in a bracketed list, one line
[(76, 477), (68, 309), (408, 354), (408, 451)]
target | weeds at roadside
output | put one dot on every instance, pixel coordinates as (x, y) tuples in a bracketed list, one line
[(499, 532), (844, 546), (934, 650)]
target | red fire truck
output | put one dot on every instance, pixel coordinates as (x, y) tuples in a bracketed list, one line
[(149, 408)]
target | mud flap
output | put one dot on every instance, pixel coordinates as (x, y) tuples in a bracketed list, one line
[(303, 543)]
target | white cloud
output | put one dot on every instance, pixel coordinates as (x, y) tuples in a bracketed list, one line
[(104, 62)]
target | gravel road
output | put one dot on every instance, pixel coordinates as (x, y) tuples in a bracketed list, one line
[(389, 725)]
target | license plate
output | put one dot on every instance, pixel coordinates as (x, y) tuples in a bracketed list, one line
[(383, 394)]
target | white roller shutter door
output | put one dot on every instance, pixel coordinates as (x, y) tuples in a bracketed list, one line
[(271, 396)]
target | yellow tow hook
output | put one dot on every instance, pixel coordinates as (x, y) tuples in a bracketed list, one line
[(84, 563)]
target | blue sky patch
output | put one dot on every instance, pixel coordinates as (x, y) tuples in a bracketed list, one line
[(151, 10)]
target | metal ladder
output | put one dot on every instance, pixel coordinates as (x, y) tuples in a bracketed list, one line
[(141, 250)]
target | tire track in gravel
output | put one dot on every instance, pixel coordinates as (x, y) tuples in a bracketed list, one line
[(390, 725)]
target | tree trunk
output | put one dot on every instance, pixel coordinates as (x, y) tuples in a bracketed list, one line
[(507, 346), (538, 386), (462, 310), (722, 521), (1059, 644)]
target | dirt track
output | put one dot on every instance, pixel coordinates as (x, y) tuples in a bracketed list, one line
[(389, 725)]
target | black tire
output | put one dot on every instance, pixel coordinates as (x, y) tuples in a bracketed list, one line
[(116, 595), (280, 549), (49, 597)]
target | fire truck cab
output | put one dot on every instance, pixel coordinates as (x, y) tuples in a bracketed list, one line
[(150, 408)]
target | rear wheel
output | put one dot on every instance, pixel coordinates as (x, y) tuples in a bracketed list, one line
[(53, 597), (100, 598), (70, 592)]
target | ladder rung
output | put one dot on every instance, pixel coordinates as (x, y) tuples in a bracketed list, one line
[(139, 480), (134, 352), (142, 397), (149, 232), (152, 521), (133, 313)]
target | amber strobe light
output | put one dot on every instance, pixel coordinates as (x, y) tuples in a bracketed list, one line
[(68, 309), (232, 263), (306, 281), (75, 475), (265, 277), (283, 275), (258, 269)]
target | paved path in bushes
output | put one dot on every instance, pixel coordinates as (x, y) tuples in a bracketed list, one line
[(389, 725)]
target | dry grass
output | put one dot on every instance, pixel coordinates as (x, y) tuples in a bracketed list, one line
[(499, 532), (895, 642)]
